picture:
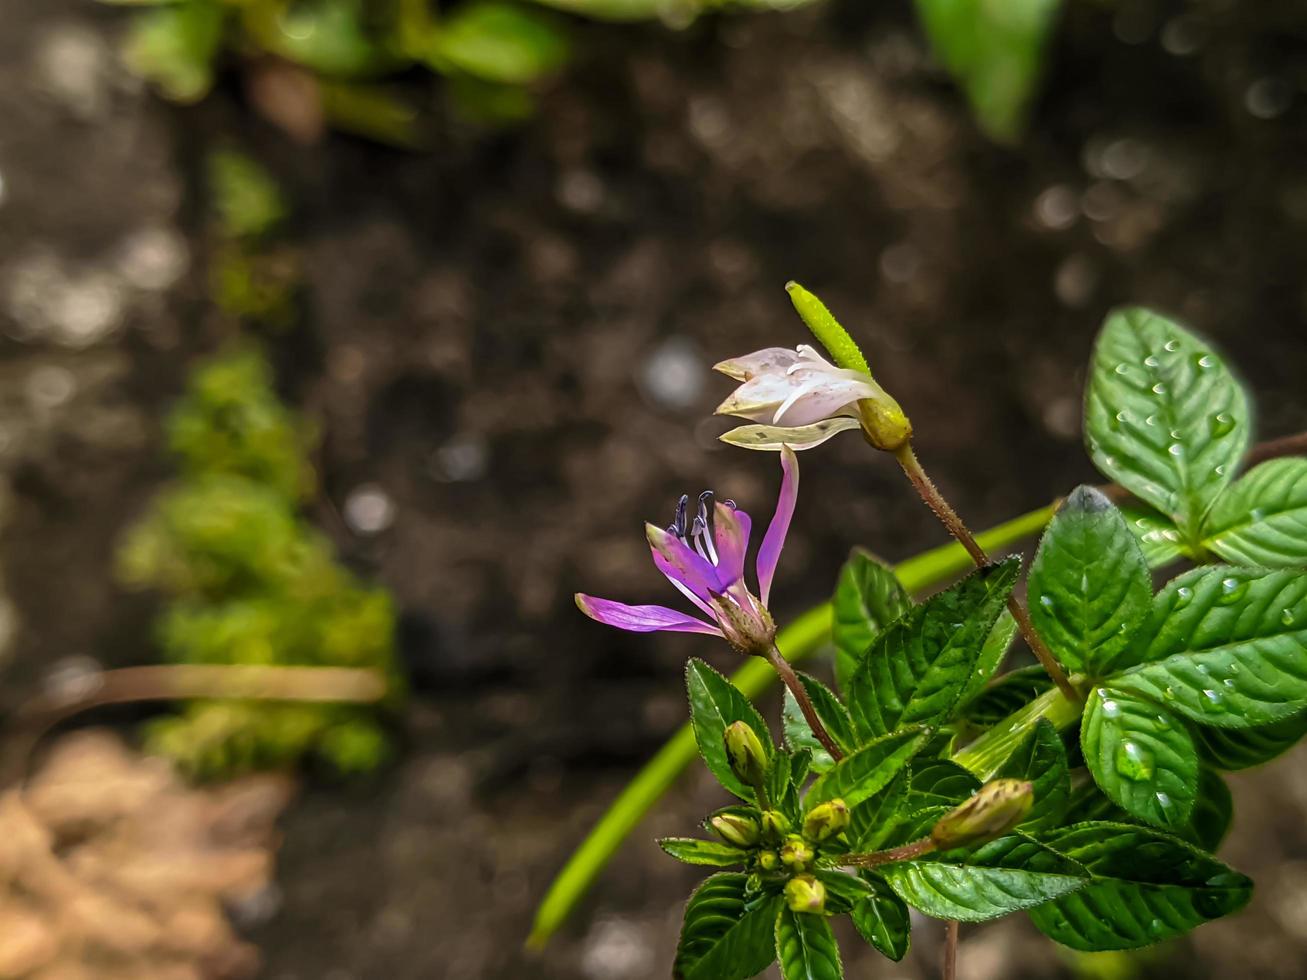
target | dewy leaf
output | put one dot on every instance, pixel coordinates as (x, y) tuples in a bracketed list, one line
[(868, 597), (715, 703), (1163, 415), (871, 820), (806, 947), (1146, 887), (691, 850), (1233, 749), (1159, 539), (721, 938), (1141, 756), (882, 919), (1003, 876), (1089, 583), (859, 776), (1041, 759), (1225, 646), (919, 666), (1262, 518)]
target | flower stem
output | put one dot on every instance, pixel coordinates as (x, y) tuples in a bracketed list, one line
[(874, 859), (949, 518), (791, 680), (950, 970)]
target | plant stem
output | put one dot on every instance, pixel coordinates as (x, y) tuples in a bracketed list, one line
[(949, 518), (950, 970), (986, 754), (874, 859), (791, 680)]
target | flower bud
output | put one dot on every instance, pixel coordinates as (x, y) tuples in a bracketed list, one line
[(735, 828), (775, 825), (796, 853), (769, 860), (805, 894), (745, 752), (996, 808), (826, 820)]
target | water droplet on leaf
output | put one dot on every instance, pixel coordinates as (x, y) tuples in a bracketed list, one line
[(1134, 762)]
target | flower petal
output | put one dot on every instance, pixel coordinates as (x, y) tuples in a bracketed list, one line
[(682, 564), (759, 397), (774, 438), (821, 396), (769, 359), (641, 619), (731, 537), (774, 540)]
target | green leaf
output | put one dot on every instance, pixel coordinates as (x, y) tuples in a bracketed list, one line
[(940, 782), (834, 717), (499, 42), (1164, 417), (806, 947), (995, 51), (722, 938), (1146, 887), (1225, 646), (1041, 758), (991, 657), (1141, 756), (716, 703), (174, 48), (1243, 748), (1003, 876), (1262, 518), (868, 597), (862, 774), (1159, 539), (1089, 583), (691, 850), (871, 820), (1213, 812), (1007, 695), (918, 668), (882, 918)]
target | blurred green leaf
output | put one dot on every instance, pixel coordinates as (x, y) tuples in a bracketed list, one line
[(174, 47), (499, 42)]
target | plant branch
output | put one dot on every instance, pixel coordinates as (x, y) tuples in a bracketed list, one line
[(950, 969), (874, 859), (791, 680), (949, 518)]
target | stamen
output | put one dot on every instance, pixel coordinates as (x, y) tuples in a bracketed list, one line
[(678, 523)]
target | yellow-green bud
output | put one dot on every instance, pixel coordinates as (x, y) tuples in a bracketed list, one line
[(805, 894), (826, 820), (769, 860), (796, 853), (745, 752), (735, 828), (775, 825), (997, 807)]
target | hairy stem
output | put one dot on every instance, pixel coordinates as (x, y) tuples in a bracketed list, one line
[(791, 680), (950, 968), (949, 518), (874, 859)]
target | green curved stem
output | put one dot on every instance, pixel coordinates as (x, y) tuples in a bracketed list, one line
[(796, 641)]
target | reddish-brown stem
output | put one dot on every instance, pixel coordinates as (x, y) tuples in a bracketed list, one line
[(791, 680), (929, 493), (874, 859), (950, 969)]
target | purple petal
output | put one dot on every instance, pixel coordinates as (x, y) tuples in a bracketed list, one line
[(641, 619), (774, 540), (681, 564), (731, 539)]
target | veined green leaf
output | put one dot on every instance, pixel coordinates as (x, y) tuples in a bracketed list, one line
[(805, 947), (1089, 583), (868, 597), (1041, 759), (991, 657), (1159, 539), (1163, 415), (865, 772), (691, 850), (1146, 887), (940, 782), (834, 717), (722, 937), (1225, 646), (1262, 518), (882, 918), (1213, 812), (1243, 748), (499, 42), (1141, 756), (919, 666), (1003, 876), (716, 703), (871, 820)]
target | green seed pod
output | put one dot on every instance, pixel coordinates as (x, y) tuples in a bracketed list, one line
[(805, 894), (775, 825), (826, 820), (745, 752), (735, 828), (997, 807), (796, 853)]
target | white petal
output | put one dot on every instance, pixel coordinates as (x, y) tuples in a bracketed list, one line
[(822, 397), (773, 438), (758, 398), (766, 361)]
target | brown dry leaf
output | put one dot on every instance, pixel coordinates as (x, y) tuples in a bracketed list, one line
[(112, 868)]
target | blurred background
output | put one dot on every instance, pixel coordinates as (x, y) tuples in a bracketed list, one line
[(360, 335)]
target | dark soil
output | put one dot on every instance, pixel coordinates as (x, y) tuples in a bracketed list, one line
[(480, 327)]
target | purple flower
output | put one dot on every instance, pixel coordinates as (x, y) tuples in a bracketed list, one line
[(702, 554)]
